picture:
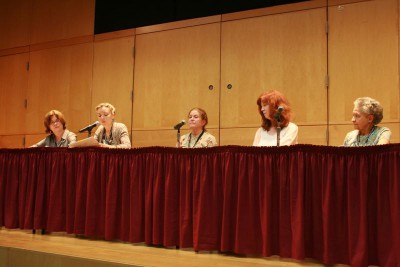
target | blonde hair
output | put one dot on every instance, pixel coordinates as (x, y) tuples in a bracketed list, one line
[(106, 105)]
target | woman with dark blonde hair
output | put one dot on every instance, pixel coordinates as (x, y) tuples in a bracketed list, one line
[(270, 104), (198, 136), (55, 126), (110, 134)]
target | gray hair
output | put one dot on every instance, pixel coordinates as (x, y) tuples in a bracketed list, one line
[(370, 106)]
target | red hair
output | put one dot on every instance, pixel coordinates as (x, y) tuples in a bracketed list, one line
[(274, 99)]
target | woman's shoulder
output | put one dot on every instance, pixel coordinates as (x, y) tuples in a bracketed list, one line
[(208, 135), (98, 130), (68, 132), (382, 129), (119, 126), (209, 140), (292, 125), (351, 134), (260, 129)]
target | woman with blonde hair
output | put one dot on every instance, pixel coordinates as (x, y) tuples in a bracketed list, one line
[(110, 134)]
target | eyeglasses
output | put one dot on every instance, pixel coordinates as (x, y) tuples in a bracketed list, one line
[(54, 122)]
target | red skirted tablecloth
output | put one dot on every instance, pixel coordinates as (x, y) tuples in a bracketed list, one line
[(333, 204)]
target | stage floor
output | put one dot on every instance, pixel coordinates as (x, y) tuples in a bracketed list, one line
[(22, 248)]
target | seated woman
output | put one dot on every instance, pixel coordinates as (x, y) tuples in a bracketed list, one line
[(198, 136), (268, 104), (59, 136), (367, 113), (110, 134)]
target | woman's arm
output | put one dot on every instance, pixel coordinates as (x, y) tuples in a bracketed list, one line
[(290, 136), (257, 137)]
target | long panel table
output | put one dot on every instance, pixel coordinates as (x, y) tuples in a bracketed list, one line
[(333, 204)]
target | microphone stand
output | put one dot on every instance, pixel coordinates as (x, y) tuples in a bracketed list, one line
[(178, 137), (178, 134), (278, 128), (89, 130)]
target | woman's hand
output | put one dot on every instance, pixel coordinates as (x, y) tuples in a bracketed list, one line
[(107, 146)]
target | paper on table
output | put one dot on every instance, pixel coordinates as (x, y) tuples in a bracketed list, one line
[(88, 142)]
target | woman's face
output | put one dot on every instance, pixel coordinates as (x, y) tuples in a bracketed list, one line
[(265, 110), (56, 125), (195, 121), (105, 116), (361, 121)]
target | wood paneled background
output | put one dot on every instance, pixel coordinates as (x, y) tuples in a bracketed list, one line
[(322, 56)]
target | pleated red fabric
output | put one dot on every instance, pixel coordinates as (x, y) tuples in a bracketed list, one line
[(333, 204)]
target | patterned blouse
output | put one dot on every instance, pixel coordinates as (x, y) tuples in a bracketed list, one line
[(377, 133), (205, 139)]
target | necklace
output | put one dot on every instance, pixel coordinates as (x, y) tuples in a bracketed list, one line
[(107, 140), (361, 142), (198, 138)]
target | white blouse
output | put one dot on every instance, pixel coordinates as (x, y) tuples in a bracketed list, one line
[(288, 136)]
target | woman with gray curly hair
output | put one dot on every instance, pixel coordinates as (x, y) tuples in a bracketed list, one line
[(367, 113)]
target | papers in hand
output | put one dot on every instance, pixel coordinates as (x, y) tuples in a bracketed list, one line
[(88, 142)]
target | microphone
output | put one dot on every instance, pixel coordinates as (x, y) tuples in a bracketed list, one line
[(278, 113), (179, 125), (90, 127)]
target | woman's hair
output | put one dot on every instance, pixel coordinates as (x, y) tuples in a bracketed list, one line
[(274, 99), (370, 106), (203, 116), (47, 119), (106, 105)]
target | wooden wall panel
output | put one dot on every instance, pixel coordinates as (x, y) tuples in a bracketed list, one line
[(55, 20), (286, 52), (173, 72), (13, 87), (113, 77), (15, 18), (237, 136), (363, 57), (313, 134), (60, 78), (11, 141)]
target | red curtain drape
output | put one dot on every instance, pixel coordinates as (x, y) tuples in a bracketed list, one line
[(333, 204)]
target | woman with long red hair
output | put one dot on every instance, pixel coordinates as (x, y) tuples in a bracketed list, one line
[(270, 105)]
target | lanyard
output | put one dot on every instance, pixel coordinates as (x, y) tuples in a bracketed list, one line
[(198, 138)]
